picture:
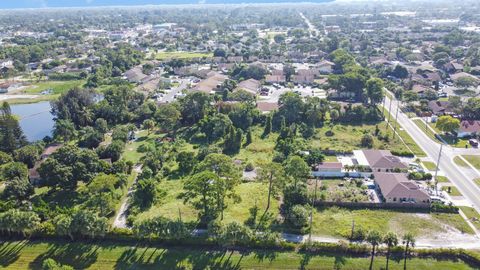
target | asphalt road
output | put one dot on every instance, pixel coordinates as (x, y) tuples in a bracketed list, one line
[(455, 174), (170, 96)]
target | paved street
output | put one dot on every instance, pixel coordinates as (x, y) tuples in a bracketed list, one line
[(170, 95), (455, 173)]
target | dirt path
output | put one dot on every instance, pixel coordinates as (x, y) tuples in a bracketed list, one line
[(121, 218)]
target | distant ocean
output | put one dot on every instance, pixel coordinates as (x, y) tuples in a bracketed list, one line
[(11, 4)]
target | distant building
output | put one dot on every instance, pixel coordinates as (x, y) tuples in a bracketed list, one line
[(453, 67), (251, 85), (211, 83), (440, 107), (275, 79), (135, 75), (266, 107)]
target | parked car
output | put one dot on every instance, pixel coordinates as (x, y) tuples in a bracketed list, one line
[(436, 199), (473, 142)]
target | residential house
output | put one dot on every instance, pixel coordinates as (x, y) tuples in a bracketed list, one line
[(304, 76), (453, 67), (397, 188), (379, 160), (325, 67), (329, 169), (251, 85), (420, 89), (468, 128), (135, 75), (33, 174), (266, 107), (275, 79), (211, 83), (455, 77), (235, 59), (440, 107)]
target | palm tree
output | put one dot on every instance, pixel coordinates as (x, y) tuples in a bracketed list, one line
[(374, 238), (391, 240), (408, 241)]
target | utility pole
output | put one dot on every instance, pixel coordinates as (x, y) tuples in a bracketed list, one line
[(396, 120), (311, 211), (383, 105), (438, 166), (426, 124), (389, 114)]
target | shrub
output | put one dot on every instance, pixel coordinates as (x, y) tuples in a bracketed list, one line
[(295, 195), (298, 216), (249, 167), (367, 141), (442, 208)]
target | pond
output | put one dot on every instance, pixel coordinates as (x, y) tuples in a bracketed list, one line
[(35, 119)]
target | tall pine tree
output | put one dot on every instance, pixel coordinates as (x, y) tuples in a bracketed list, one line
[(268, 126), (11, 134)]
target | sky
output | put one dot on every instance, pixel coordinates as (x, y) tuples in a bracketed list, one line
[(10, 4)]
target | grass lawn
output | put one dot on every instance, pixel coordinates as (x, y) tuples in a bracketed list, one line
[(261, 150), (477, 181), (429, 165), (171, 206), (337, 221), (181, 55), (58, 87), (460, 162), (407, 139), (451, 140), (330, 159), (442, 179), (348, 138), (474, 160), (131, 148), (453, 190), (472, 215), (29, 255)]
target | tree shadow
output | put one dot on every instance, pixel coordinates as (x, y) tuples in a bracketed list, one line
[(78, 255), (305, 261), (339, 262), (262, 255), (140, 258), (10, 252)]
